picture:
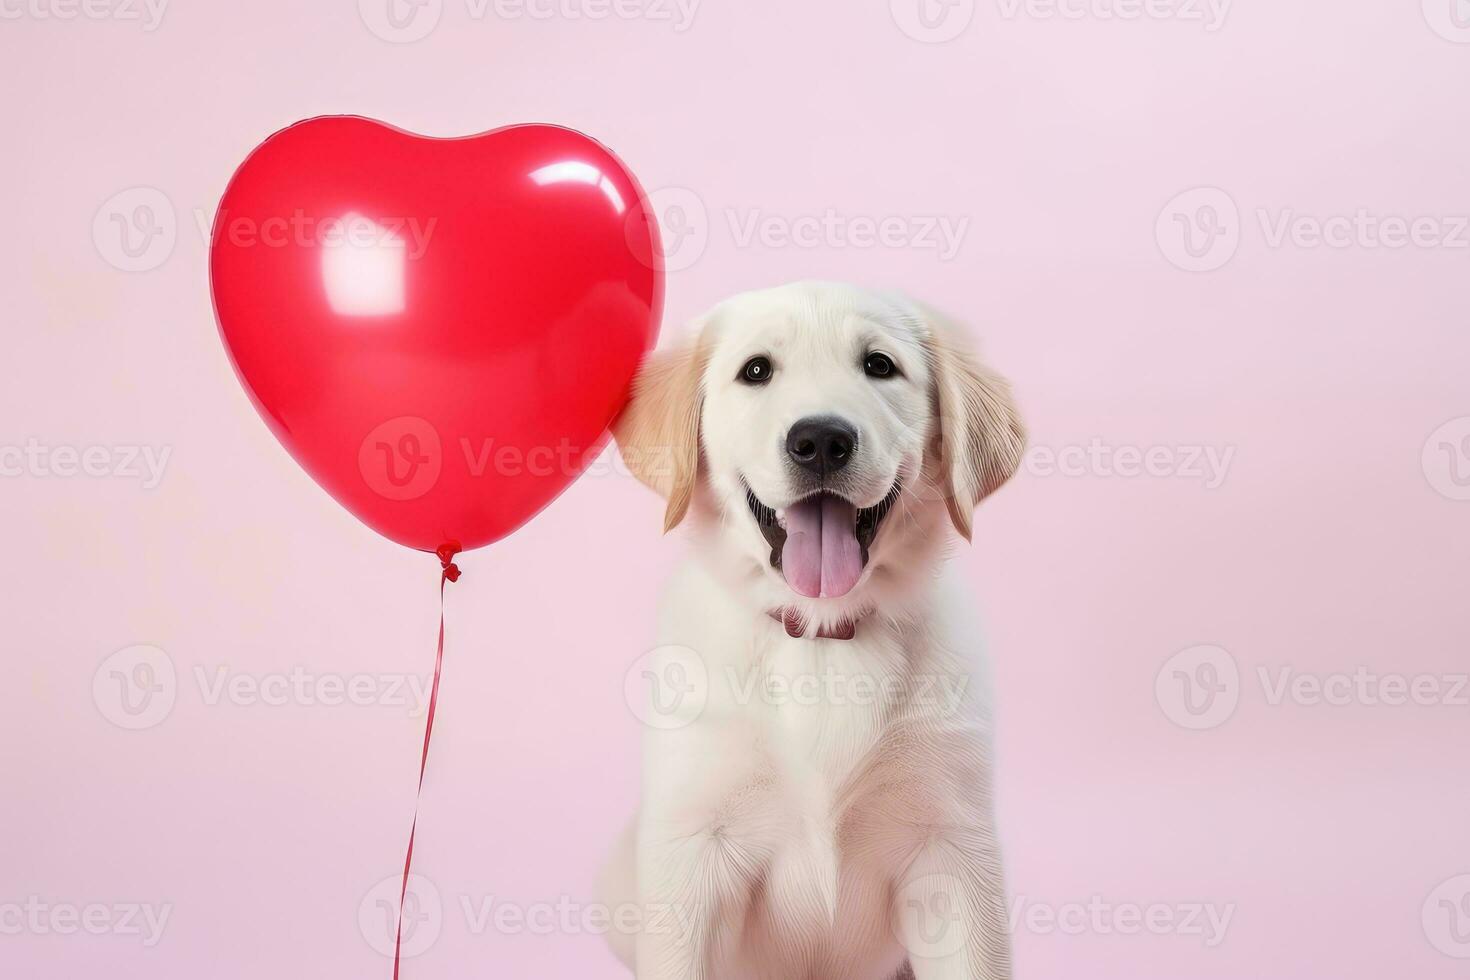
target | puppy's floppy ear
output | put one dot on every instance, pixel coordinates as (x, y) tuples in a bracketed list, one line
[(980, 433), (658, 430)]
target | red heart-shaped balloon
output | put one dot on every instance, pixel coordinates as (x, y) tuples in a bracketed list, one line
[(438, 330)]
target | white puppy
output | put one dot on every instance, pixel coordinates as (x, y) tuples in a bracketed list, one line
[(816, 779)]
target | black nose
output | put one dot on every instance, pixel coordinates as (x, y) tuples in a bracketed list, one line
[(822, 444)]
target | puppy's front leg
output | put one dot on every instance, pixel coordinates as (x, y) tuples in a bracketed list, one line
[(949, 910), (695, 886)]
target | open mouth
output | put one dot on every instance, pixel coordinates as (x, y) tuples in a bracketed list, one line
[(820, 543)]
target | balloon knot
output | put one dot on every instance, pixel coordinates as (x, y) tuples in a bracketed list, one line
[(446, 553)]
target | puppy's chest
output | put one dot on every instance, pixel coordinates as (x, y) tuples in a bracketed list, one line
[(821, 711)]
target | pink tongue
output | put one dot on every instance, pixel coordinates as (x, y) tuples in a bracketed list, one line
[(821, 556)]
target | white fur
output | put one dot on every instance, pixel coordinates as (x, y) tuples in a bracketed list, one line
[(828, 812)]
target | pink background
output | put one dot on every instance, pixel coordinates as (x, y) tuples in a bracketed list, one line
[(1332, 831)]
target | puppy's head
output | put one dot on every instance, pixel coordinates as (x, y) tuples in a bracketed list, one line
[(826, 430)]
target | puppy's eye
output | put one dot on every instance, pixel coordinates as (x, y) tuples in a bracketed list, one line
[(879, 365), (757, 371)]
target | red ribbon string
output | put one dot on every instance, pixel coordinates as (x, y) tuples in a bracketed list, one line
[(450, 573)]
